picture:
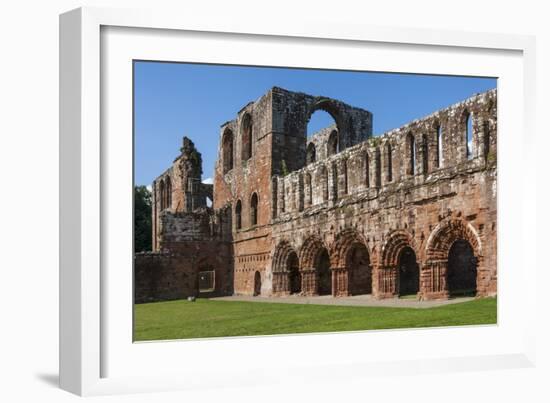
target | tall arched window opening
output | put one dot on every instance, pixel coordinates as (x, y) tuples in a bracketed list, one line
[(425, 154), (227, 151), (168, 202), (321, 123), (389, 162), (333, 143), (412, 154), (162, 193), (254, 209), (246, 137), (310, 153), (367, 170), (378, 168), (439, 139), (469, 136), (238, 215)]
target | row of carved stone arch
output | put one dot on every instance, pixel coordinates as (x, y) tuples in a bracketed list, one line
[(431, 157), (228, 143), (350, 267)]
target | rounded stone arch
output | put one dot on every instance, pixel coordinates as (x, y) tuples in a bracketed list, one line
[(448, 272), (285, 269), (333, 143), (396, 241), (446, 233), (333, 108), (281, 255), (343, 244), (309, 250)]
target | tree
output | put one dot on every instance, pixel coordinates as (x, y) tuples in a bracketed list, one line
[(142, 219)]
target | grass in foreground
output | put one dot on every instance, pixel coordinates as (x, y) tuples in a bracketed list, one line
[(206, 318)]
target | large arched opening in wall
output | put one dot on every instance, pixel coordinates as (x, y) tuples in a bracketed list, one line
[(324, 275), (461, 269), (360, 271), (294, 276), (408, 272), (322, 116)]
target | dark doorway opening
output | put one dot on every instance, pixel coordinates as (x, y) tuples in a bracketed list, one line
[(462, 269), (323, 271), (295, 279), (409, 273), (358, 264), (257, 283)]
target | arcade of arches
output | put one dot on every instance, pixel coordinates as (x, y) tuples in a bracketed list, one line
[(447, 266)]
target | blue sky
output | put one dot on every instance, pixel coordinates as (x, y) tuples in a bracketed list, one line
[(176, 99)]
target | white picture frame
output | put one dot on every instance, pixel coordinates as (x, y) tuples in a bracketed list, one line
[(94, 332)]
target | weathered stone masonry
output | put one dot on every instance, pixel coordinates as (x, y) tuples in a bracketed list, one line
[(412, 211)]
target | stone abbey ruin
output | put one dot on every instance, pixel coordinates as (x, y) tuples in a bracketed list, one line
[(410, 212)]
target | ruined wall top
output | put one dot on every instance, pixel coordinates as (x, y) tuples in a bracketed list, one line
[(459, 138), (284, 115)]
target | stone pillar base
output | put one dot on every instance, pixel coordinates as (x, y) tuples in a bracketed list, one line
[(281, 294), (430, 296), (385, 295)]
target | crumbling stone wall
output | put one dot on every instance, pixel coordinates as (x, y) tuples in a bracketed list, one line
[(179, 189), (380, 215), (188, 237), (428, 200)]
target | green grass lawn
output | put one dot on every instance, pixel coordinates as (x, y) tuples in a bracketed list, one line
[(206, 318)]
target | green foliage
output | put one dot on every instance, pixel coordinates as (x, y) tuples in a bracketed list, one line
[(284, 168), (212, 318), (142, 219)]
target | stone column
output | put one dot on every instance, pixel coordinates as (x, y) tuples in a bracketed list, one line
[(340, 282), (309, 282), (387, 282), (433, 280), (281, 284)]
